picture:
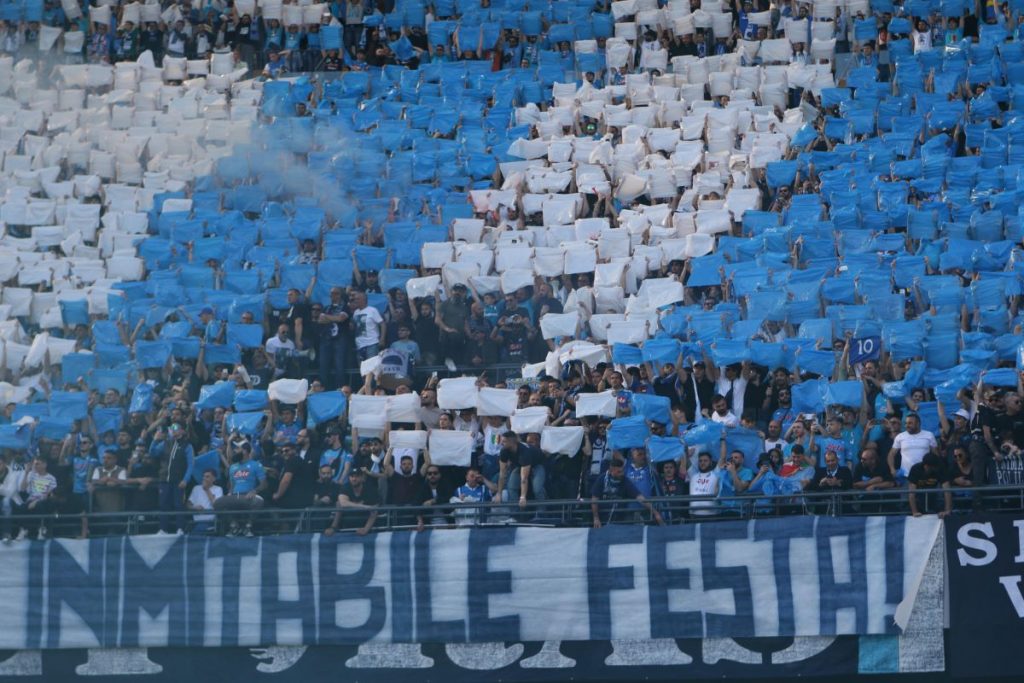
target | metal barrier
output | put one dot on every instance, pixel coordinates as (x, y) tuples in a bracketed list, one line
[(550, 513)]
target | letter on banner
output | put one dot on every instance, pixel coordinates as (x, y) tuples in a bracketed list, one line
[(500, 402), (457, 393), (450, 447), (596, 405)]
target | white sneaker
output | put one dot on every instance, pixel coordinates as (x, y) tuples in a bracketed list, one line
[(248, 530), (22, 535), (179, 532), (42, 534), (161, 533)]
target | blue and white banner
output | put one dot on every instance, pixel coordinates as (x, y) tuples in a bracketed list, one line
[(807, 576), (986, 594)]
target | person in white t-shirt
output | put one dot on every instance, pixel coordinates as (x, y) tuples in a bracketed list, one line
[(203, 498), (912, 445), (280, 346), (721, 414), (369, 327), (704, 482)]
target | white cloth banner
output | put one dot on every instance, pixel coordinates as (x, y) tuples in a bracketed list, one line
[(450, 447), (500, 402), (529, 420), (457, 393), (566, 440), (596, 405)]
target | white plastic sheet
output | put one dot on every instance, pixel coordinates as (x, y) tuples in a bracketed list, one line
[(288, 390), (407, 438), (516, 278), (500, 402), (404, 408), (601, 404), (566, 440), (559, 324), (420, 287), (368, 412), (529, 420), (457, 393), (658, 292), (449, 447)]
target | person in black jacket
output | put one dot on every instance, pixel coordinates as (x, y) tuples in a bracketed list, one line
[(831, 478), (175, 455)]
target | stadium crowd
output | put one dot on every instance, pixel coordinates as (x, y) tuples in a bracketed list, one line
[(656, 250)]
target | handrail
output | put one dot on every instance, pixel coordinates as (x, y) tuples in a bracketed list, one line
[(560, 513)]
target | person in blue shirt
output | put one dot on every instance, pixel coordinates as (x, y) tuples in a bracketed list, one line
[(734, 475), (336, 457), (640, 473), (832, 441), (746, 29), (246, 481), (476, 491), (294, 42), (275, 65), (285, 423), (81, 460)]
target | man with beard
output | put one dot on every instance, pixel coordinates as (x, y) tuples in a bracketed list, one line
[(697, 390), (405, 487)]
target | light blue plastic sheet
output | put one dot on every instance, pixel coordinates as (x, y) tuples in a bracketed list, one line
[(1001, 377), (72, 405), (219, 395), (152, 354), (210, 460), (626, 354), (809, 396), (665, 448), (107, 419), (325, 406), (628, 432), (248, 400), (651, 407), (245, 336), (142, 398), (245, 423)]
